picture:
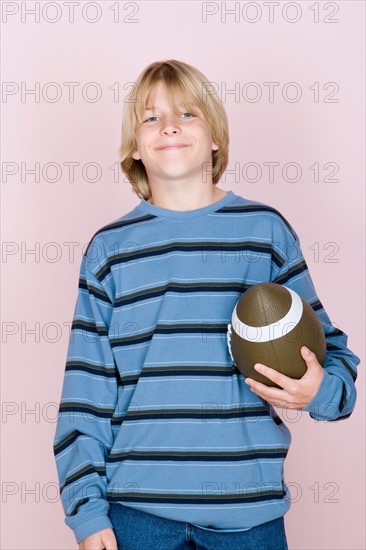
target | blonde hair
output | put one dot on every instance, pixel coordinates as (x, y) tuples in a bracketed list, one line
[(184, 82)]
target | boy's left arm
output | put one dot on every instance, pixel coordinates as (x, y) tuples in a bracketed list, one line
[(336, 395)]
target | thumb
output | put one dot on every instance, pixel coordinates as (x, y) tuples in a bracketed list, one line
[(310, 358), (109, 540)]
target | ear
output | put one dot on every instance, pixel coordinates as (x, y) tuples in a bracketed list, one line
[(136, 155), (214, 146)]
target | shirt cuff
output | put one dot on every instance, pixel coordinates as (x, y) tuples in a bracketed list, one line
[(91, 526), (325, 403)]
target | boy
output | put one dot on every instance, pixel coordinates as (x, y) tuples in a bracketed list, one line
[(160, 443)]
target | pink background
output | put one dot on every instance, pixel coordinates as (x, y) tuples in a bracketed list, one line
[(326, 463)]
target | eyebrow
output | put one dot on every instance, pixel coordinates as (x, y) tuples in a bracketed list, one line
[(179, 105)]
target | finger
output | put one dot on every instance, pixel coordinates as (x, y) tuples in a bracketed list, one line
[(280, 379), (268, 393), (307, 353), (110, 542), (310, 359)]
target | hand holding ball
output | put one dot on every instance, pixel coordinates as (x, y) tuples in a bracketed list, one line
[(269, 325)]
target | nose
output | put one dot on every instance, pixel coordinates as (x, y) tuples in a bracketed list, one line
[(170, 125), (170, 130)]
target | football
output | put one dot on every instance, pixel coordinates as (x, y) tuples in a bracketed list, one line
[(269, 325)]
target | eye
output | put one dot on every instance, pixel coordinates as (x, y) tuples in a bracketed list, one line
[(149, 118), (157, 117)]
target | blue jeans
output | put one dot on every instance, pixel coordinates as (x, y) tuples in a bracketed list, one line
[(138, 530)]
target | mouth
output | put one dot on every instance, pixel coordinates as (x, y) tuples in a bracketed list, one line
[(172, 147)]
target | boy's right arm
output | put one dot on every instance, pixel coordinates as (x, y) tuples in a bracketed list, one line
[(99, 541), (83, 436)]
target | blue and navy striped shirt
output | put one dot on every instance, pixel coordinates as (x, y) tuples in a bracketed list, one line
[(153, 413)]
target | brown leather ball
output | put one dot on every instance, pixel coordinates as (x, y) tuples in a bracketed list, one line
[(269, 325)]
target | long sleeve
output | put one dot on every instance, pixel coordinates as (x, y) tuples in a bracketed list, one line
[(83, 436), (336, 395)]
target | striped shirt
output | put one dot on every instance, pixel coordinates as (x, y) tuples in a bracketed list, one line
[(154, 414)]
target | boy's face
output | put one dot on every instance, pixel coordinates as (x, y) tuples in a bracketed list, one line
[(161, 127)]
